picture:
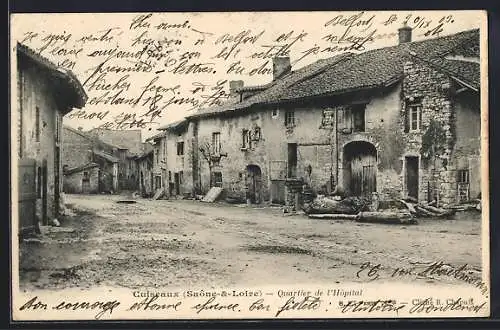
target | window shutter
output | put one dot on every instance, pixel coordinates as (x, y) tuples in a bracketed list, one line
[(340, 119), (419, 117), (348, 118)]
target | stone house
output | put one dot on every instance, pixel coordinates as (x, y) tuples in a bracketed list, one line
[(45, 93), (82, 151), (82, 180), (145, 167), (400, 121), (158, 142), (129, 145), (178, 159)]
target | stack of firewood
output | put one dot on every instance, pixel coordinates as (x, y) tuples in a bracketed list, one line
[(423, 210)]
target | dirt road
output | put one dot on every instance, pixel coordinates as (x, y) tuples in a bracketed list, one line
[(185, 243)]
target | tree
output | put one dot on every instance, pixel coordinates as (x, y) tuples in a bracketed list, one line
[(434, 145), (213, 158)]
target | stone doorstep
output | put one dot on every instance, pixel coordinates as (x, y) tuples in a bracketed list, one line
[(52, 229)]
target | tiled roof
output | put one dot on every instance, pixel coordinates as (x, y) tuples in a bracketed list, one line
[(254, 87), (77, 131), (80, 168), (156, 136), (78, 96), (174, 125), (88, 136), (106, 156), (278, 87), (123, 139), (347, 72), (376, 67), (467, 71), (147, 149)]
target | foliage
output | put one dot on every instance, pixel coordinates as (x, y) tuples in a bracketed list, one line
[(434, 140)]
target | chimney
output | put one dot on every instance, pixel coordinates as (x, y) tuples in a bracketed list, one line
[(281, 66), (404, 34), (234, 85)]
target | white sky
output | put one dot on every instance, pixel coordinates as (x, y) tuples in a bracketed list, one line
[(217, 24)]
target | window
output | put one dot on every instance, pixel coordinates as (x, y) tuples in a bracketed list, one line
[(413, 117), (247, 140), (217, 179), (181, 177), (37, 124), (289, 118), (350, 118), (463, 176), (275, 113), (157, 182), (463, 185), (169, 176), (180, 148), (328, 118), (157, 156), (86, 176), (216, 142), (358, 118)]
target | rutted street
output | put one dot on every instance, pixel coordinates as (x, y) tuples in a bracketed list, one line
[(186, 243)]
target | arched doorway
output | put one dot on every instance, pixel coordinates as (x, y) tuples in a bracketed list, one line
[(360, 168), (254, 183)]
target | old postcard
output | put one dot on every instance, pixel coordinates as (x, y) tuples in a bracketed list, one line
[(245, 165)]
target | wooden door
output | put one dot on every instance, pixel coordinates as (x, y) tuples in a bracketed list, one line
[(177, 183), (45, 220), (363, 175), (292, 160), (57, 193), (254, 183), (27, 195), (412, 177)]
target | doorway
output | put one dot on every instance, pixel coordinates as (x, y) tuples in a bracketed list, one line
[(292, 160), (27, 195), (412, 176), (86, 182), (360, 168), (177, 183), (254, 183)]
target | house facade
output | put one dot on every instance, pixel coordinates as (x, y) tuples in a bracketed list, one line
[(145, 168), (395, 122), (177, 144), (45, 94), (82, 152), (159, 160), (129, 146), (83, 179)]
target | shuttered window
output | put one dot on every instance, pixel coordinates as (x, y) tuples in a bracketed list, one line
[(216, 142)]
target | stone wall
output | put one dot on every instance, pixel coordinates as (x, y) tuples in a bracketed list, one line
[(270, 144), (383, 131), (76, 150), (460, 123), (73, 182), (36, 93), (145, 165), (178, 164)]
